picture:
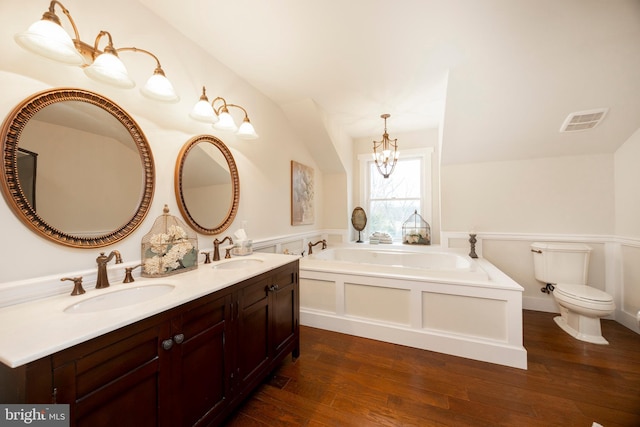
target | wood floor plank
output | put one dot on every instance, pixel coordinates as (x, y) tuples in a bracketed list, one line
[(342, 380)]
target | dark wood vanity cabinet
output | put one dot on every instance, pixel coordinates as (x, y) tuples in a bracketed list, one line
[(189, 366), (268, 308), (201, 356), (169, 370)]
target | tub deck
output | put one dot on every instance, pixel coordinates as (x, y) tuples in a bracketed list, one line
[(472, 310)]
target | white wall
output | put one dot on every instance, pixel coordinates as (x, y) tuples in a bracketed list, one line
[(551, 195), (592, 199), (535, 198), (627, 187), (263, 164), (627, 203)]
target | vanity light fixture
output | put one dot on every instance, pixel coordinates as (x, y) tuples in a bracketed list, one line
[(47, 38), (220, 118), (385, 152)]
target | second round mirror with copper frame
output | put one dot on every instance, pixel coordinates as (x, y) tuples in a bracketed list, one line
[(207, 184)]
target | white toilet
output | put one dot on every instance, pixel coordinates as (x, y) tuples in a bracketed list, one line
[(566, 266)]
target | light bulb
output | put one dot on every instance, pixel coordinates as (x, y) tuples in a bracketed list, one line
[(203, 112), (48, 39), (108, 68), (159, 87), (225, 122), (246, 130)]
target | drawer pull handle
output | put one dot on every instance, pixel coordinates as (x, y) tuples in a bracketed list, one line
[(273, 288), (179, 338), (537, 251), (167, 344)]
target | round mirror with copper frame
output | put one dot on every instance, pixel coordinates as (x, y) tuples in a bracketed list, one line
[(207, 185), (66, 121)]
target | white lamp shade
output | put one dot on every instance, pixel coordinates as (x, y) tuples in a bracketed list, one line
[(108, 68), (225, 122), (203, 112), (48, 39), (159, 87), (246, 131)]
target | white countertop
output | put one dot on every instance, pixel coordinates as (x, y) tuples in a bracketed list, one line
[(39, 328)]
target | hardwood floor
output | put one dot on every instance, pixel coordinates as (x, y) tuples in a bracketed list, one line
[(341, 380)]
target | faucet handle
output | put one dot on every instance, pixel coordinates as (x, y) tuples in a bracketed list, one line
[(207, 257), (128, 277), (77, 285)]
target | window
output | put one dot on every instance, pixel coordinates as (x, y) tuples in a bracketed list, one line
[(389, 202)]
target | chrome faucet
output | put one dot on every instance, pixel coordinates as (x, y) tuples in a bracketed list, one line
[(102, 281), (311, 245), (216, 248)]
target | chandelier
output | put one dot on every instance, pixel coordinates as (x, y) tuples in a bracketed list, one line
[(385, 152)]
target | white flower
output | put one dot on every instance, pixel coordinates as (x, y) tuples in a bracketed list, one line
[(152, 265), (159, 243), (176, 233)]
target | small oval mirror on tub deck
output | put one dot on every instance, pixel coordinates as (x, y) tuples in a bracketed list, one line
[(359, 221)]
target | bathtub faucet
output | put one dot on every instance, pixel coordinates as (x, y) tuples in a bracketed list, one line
[(311, 245)]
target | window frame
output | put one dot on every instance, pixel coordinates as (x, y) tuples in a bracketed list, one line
[(426, 201)]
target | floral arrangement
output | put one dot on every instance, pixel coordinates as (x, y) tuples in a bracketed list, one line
[(415, 237), (169, 251)]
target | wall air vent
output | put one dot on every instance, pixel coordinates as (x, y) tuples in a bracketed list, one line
[(583, 120)]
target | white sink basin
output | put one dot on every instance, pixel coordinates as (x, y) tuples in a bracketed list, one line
[(238, 263), (120, 298)]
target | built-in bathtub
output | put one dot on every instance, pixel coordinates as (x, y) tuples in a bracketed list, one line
[(427, 297)]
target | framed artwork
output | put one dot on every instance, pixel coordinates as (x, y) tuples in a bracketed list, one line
[(302, 193)]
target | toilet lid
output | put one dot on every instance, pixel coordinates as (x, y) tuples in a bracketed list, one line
[(583, 292)]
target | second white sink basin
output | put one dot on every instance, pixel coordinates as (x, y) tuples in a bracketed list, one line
[(238, 263), (120, 298)]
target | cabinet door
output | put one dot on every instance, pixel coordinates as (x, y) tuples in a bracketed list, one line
[(201, 361), (252, 355), (114, 380), (284, 311)]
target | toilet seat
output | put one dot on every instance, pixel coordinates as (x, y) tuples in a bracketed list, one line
[(583, 293)]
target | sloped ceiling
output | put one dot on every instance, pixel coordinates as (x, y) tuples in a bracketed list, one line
[(499, 76)]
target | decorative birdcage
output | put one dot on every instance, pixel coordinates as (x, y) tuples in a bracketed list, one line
[(169, 248), (416, 231)]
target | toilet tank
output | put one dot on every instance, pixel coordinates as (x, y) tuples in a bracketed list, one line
[(561, 262)]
